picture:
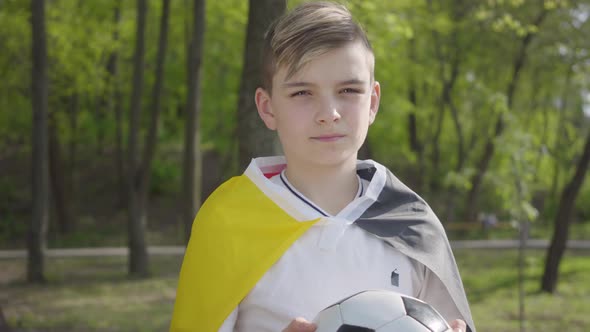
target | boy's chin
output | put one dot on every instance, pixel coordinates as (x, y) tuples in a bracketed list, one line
[(329, 160)]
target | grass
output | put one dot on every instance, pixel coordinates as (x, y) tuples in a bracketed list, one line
[(491, 282), (90, 294), (95, 294)]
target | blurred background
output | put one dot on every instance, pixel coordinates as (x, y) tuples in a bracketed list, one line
[(119, 117)]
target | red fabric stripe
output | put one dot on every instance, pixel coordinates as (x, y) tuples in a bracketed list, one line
[(271, 174), (272, 170)]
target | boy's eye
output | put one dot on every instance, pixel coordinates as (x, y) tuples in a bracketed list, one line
[(300, 93), (351, 90)]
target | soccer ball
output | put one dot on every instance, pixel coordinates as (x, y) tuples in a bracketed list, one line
[(380, 311)]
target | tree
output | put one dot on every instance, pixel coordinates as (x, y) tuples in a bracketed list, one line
[(139, 190), (253, 138), (139, 187), (192, 150), (138, 256), (65, 219), (4, 327), (40, 157), (115, 102), (518, 64), (448, 62), (563, 220), (152, 135)]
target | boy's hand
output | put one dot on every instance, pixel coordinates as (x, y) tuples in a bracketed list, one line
[(300, 325), (458, 325)]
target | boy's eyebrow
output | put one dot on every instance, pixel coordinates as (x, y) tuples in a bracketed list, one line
[(296, 84), (353, 81)]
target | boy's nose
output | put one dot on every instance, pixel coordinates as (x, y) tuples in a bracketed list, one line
[(328, 112)]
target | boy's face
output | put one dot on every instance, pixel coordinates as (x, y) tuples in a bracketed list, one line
[(322, 113)]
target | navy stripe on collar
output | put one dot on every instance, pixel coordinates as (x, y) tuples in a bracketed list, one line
[(300, 197), (294, 192)]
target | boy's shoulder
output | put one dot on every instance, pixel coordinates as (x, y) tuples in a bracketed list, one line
[(242, 200), (229, 193)]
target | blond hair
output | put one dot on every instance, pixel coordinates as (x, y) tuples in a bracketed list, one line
[(305, 33)]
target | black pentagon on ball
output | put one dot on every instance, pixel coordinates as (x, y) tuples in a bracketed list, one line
[(352, 328), (425, 314)]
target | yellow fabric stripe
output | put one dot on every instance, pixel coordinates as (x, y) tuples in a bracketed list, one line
[(238, 234)]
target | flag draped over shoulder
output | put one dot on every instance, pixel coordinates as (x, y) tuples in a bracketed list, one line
[(239, 233)]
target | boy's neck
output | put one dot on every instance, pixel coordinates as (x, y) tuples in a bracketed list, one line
[(330, 188)]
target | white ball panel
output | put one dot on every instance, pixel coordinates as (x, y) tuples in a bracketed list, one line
[(329, 320), (406, 323), (372, 309)]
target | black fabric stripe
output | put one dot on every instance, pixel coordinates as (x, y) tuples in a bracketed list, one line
[(393, 200), (366, 173), (400, 217), (301, 198), (362, 188)]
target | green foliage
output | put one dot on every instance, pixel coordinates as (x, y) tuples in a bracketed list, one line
[(513, 182), (417, 46), (11, 227), (165, 179), (15, 68), (582, 203), (223, 58), (11, 206), (459, 180)]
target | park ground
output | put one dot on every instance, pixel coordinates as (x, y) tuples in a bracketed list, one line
[(95, 293)]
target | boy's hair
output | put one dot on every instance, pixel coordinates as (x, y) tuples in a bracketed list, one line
[(310, 30)]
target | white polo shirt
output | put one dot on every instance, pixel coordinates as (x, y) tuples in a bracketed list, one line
[(332, 260)]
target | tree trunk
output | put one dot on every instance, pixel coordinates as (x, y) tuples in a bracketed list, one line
[(416, 144), (482, 166), (73, 110), (558, 148), (253, 138), (65, 220), (4, 327), (152, 134), (450, 213), (562, 221), (138, 257), (119, 158), (490, 146), (99, 123), (114, 104), (434, 180), (447, 62), (192, 151), (40, 169), (458, 14)]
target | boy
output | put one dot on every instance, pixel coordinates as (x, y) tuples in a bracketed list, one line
[(296, 233)]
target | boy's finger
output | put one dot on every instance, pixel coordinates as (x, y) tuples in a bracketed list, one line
[(458, 325), (300, 325)]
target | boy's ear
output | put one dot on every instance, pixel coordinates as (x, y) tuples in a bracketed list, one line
[(262, 98), (375, 97)]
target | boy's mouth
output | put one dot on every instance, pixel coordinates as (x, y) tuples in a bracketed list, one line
[(327, 137)]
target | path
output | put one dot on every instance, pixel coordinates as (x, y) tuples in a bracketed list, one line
[(179, 250)]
